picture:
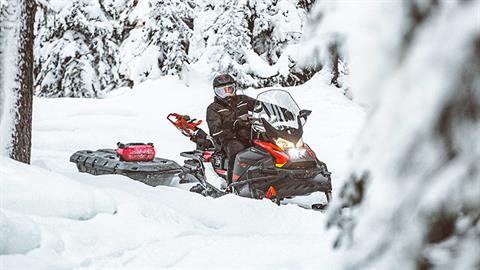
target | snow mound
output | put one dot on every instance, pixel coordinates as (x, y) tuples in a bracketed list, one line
[(18, 235), (37, 191)]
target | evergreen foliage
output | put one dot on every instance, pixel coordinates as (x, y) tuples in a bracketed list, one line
[(76, 53), (89, 47), (228, 40), (249, 38), (275, 24), (160, 42), (169, 28)]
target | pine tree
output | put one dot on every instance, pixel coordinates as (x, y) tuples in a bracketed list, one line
[(228, 41), (330, 55), (306, 4), (173, 24), (262, 28), (160, 43), (76, 54), (423, 201), (276, 23), (249, 33), (117, 13)]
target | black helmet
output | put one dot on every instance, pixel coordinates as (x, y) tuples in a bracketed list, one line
[(224, 86)]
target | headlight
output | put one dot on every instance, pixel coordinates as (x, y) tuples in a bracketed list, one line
[(284, 144), (296, 153)]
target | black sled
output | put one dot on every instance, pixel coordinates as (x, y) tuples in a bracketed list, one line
[(151, 171)]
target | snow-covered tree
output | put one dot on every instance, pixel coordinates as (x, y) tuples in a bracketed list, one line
[(326, 52), (249, 39), (171, 26), (413, 200), (142, 39), (276, 23), (228, 40), (306, 4), (76, 52), (118, 14), (159, 45), (16, 83), (114, 9)]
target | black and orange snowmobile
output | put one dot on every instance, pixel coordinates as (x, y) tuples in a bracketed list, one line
[(277, 165)]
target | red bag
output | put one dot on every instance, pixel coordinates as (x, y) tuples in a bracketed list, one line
[(136, 151)]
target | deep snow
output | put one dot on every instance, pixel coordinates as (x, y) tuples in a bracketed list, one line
[(53, 217)]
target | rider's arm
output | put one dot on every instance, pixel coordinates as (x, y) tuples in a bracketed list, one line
[(218, 130), (247, 101), (251, 103)]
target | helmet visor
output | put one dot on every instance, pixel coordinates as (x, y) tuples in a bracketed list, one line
[(225, 90)]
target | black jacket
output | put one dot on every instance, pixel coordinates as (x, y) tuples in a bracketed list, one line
[(221, 116)]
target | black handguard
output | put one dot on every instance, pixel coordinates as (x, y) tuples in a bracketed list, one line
[(236, 124), (200, 138), (243, 121)]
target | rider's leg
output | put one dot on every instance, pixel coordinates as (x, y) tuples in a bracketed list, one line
[(232, 149)]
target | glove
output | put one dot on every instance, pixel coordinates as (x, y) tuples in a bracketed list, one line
[(237, 125), (244, 117), (241, 122)]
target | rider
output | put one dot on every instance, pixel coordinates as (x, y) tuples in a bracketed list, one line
[(227, 130)]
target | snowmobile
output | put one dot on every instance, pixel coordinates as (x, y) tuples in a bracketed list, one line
[(277, 165)]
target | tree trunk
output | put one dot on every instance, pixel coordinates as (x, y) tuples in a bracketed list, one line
[(22, 84)]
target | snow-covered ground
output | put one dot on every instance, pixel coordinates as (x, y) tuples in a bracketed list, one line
[(53, 217)]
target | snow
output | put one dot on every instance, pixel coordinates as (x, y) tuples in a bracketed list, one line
[(74, 201), (55, 4), (18, 235), (287, 21), (82, 221), (70, 49), (258, 66)]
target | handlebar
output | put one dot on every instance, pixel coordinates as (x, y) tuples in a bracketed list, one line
[(183, 123)]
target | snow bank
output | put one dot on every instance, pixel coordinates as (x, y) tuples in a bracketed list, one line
[(18, 235), (31, 190)]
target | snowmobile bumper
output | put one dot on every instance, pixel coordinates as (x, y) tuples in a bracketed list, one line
[(106, 161), (288, 183), (295, 186)]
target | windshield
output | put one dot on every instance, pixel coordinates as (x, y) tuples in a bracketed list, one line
[(278, 108)]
